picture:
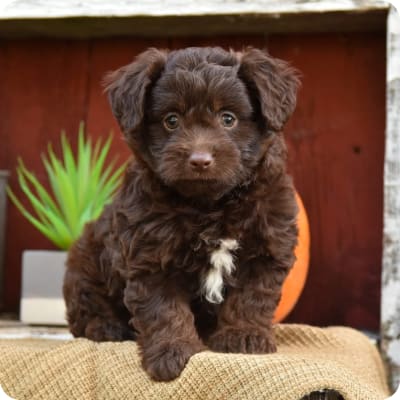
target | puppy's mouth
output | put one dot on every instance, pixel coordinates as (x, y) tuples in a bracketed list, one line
[(202, 187)]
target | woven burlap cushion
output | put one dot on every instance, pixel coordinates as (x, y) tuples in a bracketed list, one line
[(308, 359)]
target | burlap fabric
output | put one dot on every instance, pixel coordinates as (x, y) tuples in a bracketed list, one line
[(308, 359)]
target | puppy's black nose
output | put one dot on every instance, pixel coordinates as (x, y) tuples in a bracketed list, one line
[(200, 161)]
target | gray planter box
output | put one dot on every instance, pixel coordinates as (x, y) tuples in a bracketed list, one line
[(42, 300)]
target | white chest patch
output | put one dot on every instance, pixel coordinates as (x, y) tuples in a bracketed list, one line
[(222, 264)]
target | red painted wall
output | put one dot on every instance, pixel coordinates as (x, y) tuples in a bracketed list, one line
[(335, 138)]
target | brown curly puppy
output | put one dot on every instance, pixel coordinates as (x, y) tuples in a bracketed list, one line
[(193, 251)]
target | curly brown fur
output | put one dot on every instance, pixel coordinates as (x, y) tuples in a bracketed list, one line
[(193, 251)]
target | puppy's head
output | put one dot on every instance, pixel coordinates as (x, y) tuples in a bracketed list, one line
[(201, 118)]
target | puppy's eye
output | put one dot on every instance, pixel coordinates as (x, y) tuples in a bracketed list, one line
[(171, 121), (228, 120)]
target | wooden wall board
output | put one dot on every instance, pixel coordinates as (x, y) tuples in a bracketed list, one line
[(101, 18), (336, 149), (182, 26), (42, 91)]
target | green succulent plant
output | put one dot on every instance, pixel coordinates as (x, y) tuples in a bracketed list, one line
[(80, 188)]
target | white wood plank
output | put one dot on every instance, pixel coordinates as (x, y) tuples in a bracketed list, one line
[(17, 9), (390, 311)]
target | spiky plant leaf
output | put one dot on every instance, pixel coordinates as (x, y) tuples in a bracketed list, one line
[(80, 188)]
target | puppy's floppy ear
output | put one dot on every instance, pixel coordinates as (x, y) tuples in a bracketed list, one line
[(274, 84), (127, 87)]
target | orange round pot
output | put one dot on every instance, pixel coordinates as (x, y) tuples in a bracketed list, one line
[(294, 283)]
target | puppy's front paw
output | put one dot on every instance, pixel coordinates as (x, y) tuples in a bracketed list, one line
[(167, 362), (249, 341)]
